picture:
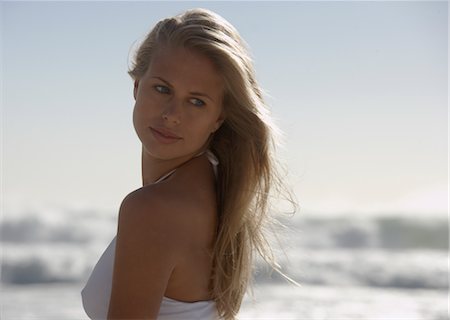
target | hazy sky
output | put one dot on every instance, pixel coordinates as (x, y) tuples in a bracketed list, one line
[(360, 90)]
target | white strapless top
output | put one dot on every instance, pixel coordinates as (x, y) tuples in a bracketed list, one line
[(97, 291)]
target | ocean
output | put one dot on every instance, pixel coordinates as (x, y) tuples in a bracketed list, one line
[(377, 267)]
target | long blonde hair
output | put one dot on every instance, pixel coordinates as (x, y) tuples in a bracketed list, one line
[(244, 145)]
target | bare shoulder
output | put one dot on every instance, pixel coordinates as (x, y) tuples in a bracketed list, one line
[(148, 248), (151, 211), (179, 210), (150, 217)]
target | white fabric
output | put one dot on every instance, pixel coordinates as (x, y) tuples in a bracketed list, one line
[(96, 293)]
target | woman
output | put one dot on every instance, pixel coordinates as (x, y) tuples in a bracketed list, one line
[(185, 239)]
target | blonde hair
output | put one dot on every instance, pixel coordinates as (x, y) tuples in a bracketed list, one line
[(244, 145)]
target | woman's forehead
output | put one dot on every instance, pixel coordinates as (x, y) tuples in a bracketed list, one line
[(186, 66)]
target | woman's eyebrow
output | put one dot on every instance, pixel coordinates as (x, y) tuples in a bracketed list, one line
[(200, 94), (165, 81)]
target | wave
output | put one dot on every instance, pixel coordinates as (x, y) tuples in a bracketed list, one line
[(420, 269), (79, 228), (380, 251), (392, 233)]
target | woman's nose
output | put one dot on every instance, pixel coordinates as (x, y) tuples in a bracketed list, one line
[(172, 111)]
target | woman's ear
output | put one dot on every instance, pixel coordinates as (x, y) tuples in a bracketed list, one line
[(136, 85), (219, 122)]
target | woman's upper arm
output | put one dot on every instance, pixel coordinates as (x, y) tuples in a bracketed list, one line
[(146, 253)]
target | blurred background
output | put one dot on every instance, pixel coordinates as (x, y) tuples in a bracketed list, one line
[(360, 90)]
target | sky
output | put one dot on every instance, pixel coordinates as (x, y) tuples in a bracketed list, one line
[(360, 90)]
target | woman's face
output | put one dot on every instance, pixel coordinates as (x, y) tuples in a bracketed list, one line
[(178, 103)]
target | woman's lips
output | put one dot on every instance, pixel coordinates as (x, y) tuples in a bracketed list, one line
[(164, 136)]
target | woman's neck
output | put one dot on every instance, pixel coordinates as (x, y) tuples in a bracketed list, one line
[(153, 169)]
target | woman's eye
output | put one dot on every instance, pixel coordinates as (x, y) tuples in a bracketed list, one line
[(162, 89), (197, 102)]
